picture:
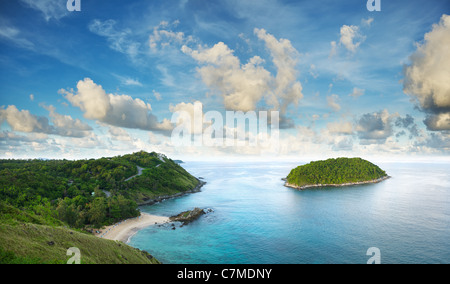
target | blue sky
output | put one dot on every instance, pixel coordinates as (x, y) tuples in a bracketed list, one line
[(107, 80)]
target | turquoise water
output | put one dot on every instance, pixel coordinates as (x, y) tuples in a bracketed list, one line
[(256, 220)]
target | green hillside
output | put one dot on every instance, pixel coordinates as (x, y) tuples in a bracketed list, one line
[(31, 239), (58, 201), (93, 192), (335, 172)]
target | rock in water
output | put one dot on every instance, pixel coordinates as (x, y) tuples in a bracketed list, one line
[(188, 216)]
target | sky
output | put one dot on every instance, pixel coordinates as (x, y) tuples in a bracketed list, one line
[(114, 77)]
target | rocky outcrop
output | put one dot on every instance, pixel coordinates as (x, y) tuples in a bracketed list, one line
[(188, 216)]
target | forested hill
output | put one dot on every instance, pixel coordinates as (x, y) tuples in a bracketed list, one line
[(92, 192), (335, 172)]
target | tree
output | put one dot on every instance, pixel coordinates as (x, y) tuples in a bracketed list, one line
[(97, 212)]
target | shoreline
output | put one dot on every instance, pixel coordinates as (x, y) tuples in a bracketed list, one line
[(165, 197), (124, 230), (334, 185)]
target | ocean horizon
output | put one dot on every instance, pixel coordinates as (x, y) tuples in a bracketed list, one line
[(257, 220)]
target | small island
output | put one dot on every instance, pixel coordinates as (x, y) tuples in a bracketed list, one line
[(335, 173)]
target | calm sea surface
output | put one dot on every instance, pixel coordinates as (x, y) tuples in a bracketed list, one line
[(256, 220)]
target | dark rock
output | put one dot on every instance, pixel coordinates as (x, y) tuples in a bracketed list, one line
[(188, 216), (146, 254), (208, 210), (51, 243)]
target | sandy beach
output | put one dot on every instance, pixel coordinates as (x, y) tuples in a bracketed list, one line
[(124, 230)]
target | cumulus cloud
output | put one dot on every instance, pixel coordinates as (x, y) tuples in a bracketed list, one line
[(438, 122), (351, 38), (24, 121), (115, 110), (63, 125), (427, 77), (375, 128), (285, 58), (244, 86), (241, 87)]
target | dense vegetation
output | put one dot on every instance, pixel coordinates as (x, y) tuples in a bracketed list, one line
[(90, 192), (335, 171), (60, 199)]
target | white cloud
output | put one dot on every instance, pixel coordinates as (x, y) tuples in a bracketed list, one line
[(427, 77), (157, 95), (119, 40), (63, 125), (13, 35), (357, 92), (333, 50), (127, 81), (434, 142), (24, 121), (119, 134), (333, 102), (351, 37), (163, 37), (244, 86), (115, 110), (55, 9), (90, 142), (195, 113), (341, 128), (367, 22), (285, 57), (313, 71), (241, 87)]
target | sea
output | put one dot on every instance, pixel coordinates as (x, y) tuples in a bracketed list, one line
[(255, 219)]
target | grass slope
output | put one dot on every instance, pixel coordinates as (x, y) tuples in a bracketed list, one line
[(28, 239)]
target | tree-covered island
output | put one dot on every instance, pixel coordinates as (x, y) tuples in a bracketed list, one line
[(335, 172)]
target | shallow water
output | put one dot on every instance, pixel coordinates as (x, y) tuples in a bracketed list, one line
[(256, 220)]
